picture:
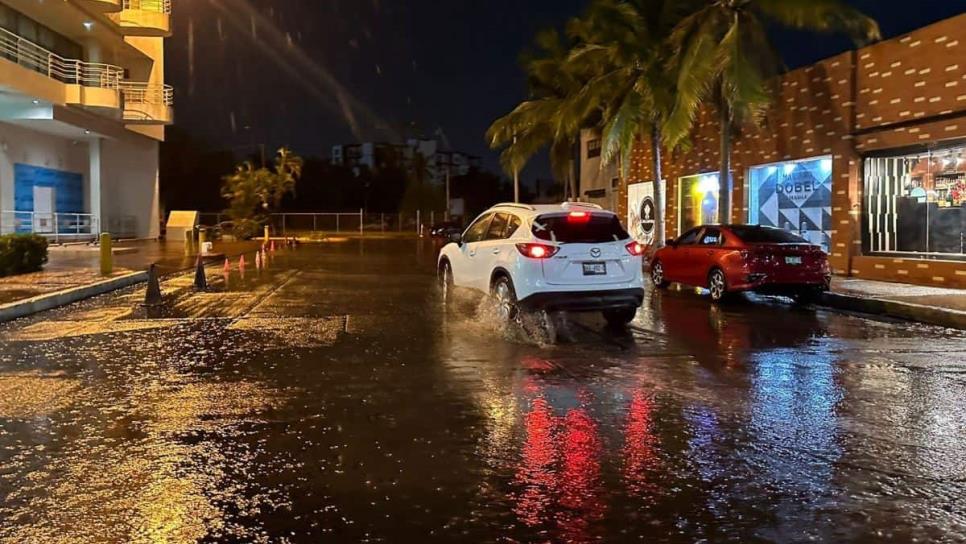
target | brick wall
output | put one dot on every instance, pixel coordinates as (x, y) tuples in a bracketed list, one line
[(906, 91)]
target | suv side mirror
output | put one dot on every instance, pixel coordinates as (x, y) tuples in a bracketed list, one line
[(455, 238)]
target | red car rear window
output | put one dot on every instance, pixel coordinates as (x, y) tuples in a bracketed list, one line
[(751, 234)]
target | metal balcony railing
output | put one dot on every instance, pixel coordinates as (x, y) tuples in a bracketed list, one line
[(145, 93), (143, 100), (70, 71), (157, 6)]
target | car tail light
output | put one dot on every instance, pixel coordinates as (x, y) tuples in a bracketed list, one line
[(537, 251), (635, 248), (578, 217)]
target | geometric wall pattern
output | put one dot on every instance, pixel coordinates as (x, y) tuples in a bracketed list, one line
[(795, 196)]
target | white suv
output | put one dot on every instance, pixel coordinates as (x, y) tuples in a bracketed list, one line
[(568, 257)]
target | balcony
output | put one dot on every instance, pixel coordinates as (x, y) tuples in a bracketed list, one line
[(34, 71), (147, 104), (104, 6), (144, 18)]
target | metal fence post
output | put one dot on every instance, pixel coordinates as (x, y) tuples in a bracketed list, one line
[(362, 222), (284, 232), (337, 224), (418, 221), (314, 224), (56, 230)]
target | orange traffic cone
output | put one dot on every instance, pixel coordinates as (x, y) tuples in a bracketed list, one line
[(241, 263), (227, 266), (273, 246), (258, 260)]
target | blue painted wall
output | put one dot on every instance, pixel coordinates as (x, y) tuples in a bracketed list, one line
[(69, 187)]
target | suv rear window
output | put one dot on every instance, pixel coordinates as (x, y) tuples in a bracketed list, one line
[(596, 229), (765, 235)]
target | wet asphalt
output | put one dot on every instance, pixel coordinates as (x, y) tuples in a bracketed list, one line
[(331, 398)]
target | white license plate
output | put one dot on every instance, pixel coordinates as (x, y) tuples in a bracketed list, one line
[(793, 260), (595, 269)]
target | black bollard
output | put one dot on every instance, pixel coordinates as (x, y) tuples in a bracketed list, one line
[(201, 280), (153, 297)]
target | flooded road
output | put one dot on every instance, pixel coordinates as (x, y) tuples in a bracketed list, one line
[(329, 399)]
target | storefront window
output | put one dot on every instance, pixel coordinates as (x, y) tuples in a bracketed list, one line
[(916, 202), (795, 196), (698, 198)]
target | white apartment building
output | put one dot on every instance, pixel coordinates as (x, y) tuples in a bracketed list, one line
[(599, 183), (83, 106), (373, 155)]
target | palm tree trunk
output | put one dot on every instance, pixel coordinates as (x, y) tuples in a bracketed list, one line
[(724, 175), (573, 181), (659, 232)]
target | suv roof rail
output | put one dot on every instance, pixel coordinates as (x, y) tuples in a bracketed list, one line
[(516, 205), (582, 205)]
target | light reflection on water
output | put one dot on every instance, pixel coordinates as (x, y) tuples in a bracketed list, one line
[(293, 407)]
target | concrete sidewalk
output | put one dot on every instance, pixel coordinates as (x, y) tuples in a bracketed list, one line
[(73, 273), (933, 305)]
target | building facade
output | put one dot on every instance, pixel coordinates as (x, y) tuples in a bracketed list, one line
[(599, 182), (863, 153), (83, 106), (373, 156)]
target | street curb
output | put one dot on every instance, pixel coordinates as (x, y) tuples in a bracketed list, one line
[(49, 301), (943, 317)]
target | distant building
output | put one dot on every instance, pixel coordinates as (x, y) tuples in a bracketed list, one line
[(82, 112), (599, 183), (376, 155)]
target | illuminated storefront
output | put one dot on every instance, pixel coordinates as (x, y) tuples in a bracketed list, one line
[(795, 196), (916, 202), (698, 197)]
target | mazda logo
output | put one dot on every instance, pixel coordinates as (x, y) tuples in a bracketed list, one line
[(595, 252)]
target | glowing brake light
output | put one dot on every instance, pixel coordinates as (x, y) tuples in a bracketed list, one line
[(635, 248), (537, 251), (578, 217)]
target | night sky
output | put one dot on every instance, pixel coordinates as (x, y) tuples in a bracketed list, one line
[(313, 73)]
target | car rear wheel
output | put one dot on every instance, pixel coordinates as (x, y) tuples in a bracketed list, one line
[(620, 317), (506, 299), (717, 285), (657, 275)]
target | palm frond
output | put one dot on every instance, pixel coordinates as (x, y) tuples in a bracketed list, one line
[(822, 16)]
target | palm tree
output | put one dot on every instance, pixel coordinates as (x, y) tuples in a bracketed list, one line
[(722, 52), (288, 169), (625, 43), (548, 118)]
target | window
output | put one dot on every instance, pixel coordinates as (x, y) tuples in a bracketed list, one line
[(497, 226), (758, 234), (690, 237), (711, 237), (795, 196), (595, 229), (512, 226), (916, 202), (478, 229), (593, 149), (698, 197)]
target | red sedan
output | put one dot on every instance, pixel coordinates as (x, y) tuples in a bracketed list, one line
[(733, 258)]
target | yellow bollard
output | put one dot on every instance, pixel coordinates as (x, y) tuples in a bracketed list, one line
[(266, 234), (189, 242), (107, 257), (202, 239)]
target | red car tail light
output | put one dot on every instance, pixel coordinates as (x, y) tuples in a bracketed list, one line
[(537, 251), (578, 217), (635, 248)]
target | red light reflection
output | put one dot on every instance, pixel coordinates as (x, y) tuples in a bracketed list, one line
[(640, 447)]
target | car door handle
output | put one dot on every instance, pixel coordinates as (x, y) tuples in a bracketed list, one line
[(496, 251)]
